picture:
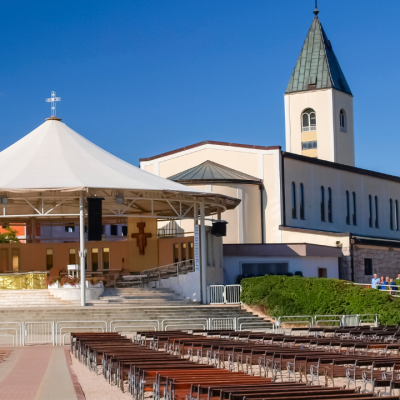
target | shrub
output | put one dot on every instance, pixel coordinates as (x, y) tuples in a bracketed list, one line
[(69, 280), (282, 295), (94, 280), (51, 280)]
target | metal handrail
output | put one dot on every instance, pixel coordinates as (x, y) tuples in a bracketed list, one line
[(135, 320), (190, 262), (74, 327), (233, 319), (257, 323), (225, 294), (258, 318), (316, 321), (183, 320), (13, 338), (32, 323), (295, 316), (20, 330)]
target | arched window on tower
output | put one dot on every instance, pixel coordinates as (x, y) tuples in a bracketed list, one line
[(343, 121), (322, 204), (308, 120)]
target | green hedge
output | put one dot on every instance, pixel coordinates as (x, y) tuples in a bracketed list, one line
[(282, 295)]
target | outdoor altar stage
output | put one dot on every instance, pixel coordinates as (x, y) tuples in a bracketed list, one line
[(60, 172), (23, 280)]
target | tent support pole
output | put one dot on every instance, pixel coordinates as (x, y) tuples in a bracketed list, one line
[(82, 250), (203, 252)]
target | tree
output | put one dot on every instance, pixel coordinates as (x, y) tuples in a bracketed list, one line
[(9, 236)]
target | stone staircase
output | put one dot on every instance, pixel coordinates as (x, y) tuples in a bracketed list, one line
[(177, 317), (139, 308), (110, 298), (138, 296), (31, 298)]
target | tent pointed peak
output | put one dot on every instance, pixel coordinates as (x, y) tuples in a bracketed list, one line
[(210, 171), (55, 157), (53, 119), (317, 66)]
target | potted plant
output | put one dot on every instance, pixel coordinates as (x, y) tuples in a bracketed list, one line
[(52, 283), (69, 282), (95, 281)]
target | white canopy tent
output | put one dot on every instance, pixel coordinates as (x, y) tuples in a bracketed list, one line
[(49, 173)]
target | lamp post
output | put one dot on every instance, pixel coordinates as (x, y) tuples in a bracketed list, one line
[(82, 251)]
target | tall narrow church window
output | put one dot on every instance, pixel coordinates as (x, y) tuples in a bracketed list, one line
[(309, 120), (302, 214), (370, 211), (391, 214), (343, 121), (396, 214), (354, 209), (294, 214), (347, 207), (376, 212), (322, 203), (330, 219)]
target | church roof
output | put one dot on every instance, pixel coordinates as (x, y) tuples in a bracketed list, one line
[(317, 66), (210, 171)]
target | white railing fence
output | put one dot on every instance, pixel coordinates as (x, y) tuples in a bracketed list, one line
[(217, 294), (56, 333), (225, 294), (64, 328), (38, 333), (328, 320), (13, 331)]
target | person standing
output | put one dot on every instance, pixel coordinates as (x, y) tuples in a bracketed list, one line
[(382, 283), (375, 281), (393, 287)]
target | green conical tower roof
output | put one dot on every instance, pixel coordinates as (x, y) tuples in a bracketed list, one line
[(317, 66)]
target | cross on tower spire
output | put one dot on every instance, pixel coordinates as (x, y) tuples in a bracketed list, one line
[(53, 100), (316, 11)]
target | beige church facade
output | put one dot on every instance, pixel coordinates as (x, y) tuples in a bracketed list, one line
[(312, 193)]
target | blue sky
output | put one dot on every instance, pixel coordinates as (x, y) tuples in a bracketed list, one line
[(139, 78)]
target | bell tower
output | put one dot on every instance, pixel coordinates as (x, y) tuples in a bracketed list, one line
[(319, 103)]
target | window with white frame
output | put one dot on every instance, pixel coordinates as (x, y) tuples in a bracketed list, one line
[(309, 120), (309, 145)]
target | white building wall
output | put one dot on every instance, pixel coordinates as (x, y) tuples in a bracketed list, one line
[(307, 265), (244, 222), (313, 176)]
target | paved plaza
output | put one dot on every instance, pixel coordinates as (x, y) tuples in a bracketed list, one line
[(38, 373)]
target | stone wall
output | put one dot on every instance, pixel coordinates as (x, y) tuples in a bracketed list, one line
[(385, 262), (345, 268)]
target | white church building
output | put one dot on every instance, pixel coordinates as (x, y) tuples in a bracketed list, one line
[(307, 209)]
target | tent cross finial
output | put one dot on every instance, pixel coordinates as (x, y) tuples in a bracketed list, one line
[(53, 100)]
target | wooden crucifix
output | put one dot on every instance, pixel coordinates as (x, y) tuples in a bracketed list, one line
[(141, 237)]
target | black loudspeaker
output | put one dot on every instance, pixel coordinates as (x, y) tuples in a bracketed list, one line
[(95, 217), (219, 228)]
